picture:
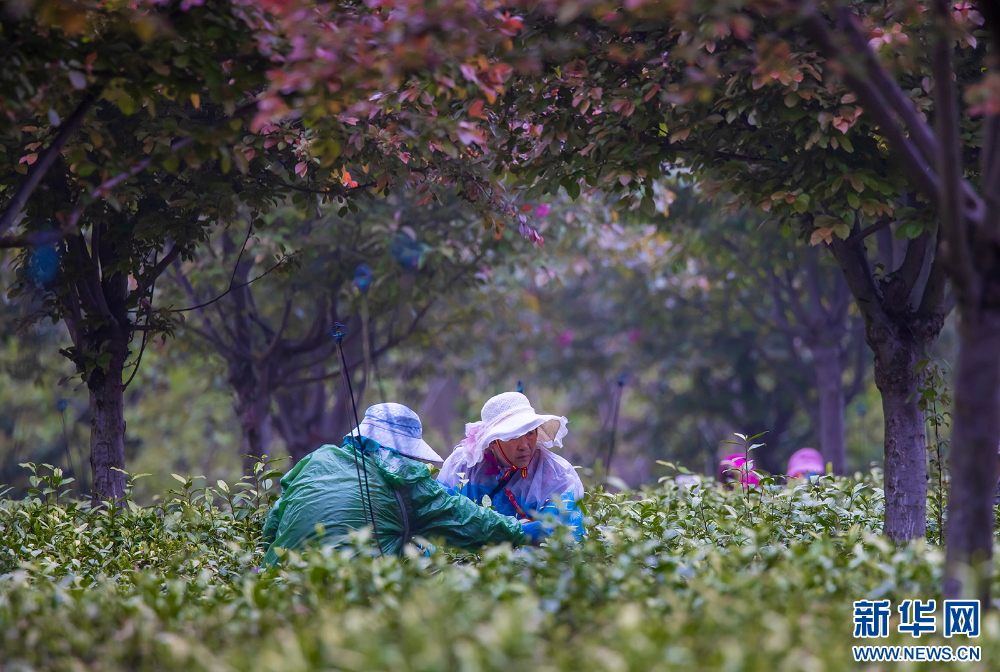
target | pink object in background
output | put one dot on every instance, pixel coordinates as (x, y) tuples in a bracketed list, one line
[(542, 210), (566, 337), (805, 462), (735, 465)]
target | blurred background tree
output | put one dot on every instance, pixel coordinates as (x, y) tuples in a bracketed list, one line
[(683, 302)]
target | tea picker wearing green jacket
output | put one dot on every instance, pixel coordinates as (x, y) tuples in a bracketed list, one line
[(322, 502)]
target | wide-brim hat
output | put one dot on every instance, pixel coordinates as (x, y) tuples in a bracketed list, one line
[(398, 428), (736, 464), (508, 416), (806, 461)]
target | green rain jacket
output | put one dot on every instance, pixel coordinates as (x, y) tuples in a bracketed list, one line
[(322, 489)]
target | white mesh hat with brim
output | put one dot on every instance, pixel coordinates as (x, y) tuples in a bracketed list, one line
[(398, 428), (508, 416)]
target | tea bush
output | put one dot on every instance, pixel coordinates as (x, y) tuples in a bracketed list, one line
[(677, 577)]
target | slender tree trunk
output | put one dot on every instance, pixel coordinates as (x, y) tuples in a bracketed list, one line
[(107, 428), (438, 411), (253, 408), (830, 388), (905, 443), (302, 419), (974, 459), (254, 412), (899, 328)]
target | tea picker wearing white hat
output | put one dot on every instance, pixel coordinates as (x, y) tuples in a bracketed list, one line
[(322, 502), (508, 457)]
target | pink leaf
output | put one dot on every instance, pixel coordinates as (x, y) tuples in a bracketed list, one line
[(469, 72)]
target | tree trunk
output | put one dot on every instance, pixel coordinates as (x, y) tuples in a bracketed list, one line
[(107, 427), (438, 410), (254, 412), (901, 324), (830, 388), (302, 418), (253, 408), (905, 445), (974, 457)]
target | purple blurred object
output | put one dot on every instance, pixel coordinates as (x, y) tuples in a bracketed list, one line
[(734, 464), (806, 462)]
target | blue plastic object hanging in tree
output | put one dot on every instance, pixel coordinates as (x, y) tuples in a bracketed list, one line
[(363, 278), (407, 251), (43, 264)]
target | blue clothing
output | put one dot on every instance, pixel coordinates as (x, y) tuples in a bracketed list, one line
[(549, 478)]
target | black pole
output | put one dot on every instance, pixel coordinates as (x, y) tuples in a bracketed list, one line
[(614, 423), (338, 336)]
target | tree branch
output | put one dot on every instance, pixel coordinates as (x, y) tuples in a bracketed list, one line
[(390, 343), (214, 339), (282, 261), (277, 335), (317, 331), (95, 265), (933, 300), (815, 293), (858, 338), (45, 161), (959, 255), (853, 261), (841, 298), (902, 281), (893, 95), (159, 268), (30, 239), (875, 104), (868, 230), (82, 258)]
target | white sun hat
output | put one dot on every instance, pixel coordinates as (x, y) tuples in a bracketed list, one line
[(397, 427), (505, 417)]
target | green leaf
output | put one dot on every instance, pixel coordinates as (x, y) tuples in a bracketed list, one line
[(573, 189), (125, 103)]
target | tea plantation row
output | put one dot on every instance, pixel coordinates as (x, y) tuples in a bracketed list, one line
[(672, 578)]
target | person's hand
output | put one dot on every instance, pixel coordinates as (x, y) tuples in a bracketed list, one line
[(534, 532)]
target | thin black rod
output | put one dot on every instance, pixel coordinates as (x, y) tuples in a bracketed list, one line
[(364, 463), (354, 447), (614, 423)]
